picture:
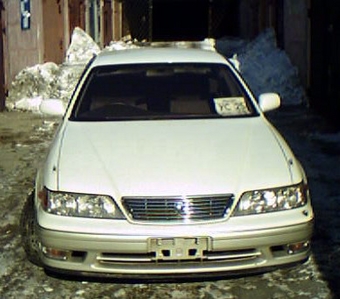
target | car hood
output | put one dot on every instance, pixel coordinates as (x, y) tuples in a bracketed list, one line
[(176, 157)]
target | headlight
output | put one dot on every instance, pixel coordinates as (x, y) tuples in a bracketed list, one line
[(272, 200), (79, 205)]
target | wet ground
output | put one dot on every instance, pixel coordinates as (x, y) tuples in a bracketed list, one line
[(24, 138)]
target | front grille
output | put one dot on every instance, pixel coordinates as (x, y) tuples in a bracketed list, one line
[(189, 208), (231, 256)]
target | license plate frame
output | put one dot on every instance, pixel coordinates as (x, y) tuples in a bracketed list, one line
[(179, 248)]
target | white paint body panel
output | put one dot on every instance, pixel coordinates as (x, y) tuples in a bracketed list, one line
[(176, 157), (170, 157)]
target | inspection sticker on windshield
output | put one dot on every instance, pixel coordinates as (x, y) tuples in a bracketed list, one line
[(231, 106), (178, 248)]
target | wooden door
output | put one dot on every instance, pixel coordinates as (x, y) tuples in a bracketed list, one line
[(107, 23), (76, 14), (53, 27)]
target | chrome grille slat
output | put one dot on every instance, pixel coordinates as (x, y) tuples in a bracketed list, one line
[(222, 256), (198, 208)]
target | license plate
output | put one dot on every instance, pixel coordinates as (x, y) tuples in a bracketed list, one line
[(178, 248)]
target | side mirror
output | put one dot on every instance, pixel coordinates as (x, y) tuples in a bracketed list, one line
[(53, 107), (269, 101)]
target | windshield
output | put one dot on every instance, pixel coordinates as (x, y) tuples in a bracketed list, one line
[(156, 91)]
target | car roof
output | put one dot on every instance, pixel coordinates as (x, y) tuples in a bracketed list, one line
[(157, 55)]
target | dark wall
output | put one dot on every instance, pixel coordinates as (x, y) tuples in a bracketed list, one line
[(176, 20), (325, 58)]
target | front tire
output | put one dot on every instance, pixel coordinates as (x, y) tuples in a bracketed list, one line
[(28, 228)]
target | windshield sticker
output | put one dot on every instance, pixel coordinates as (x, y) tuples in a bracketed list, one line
[(231, 106)]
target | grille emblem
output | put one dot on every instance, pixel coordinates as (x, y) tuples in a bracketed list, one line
[(183, 207)]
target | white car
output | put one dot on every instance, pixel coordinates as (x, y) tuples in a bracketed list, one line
[(165, 165)]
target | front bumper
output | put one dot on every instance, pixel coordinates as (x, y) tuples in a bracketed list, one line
[(250, 251)]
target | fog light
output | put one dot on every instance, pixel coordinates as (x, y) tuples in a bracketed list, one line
[(297, 247), (56, 254)]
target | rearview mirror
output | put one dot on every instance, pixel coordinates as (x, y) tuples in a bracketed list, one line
[(53, 107), (269, 101)]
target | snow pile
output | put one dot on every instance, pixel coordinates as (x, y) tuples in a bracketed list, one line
[(82, 47), (266, 68), (121, 45), (51, 81), (44, 81), (229, 46), (34, 83)]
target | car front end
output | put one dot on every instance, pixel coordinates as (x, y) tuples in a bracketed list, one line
[(194, 185), (195, 212)]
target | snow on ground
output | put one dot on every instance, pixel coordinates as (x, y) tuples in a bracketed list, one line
[(265, 67)]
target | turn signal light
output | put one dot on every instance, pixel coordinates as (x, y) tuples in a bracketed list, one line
[(297, 247), (56, 254)]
